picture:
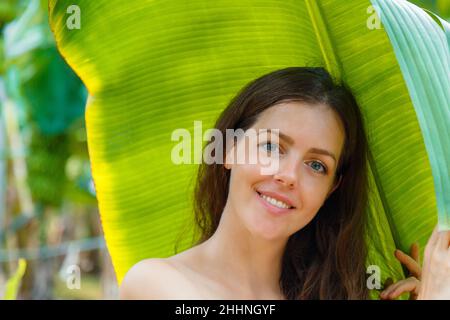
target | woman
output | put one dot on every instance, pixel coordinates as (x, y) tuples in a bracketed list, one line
[(296, 233)]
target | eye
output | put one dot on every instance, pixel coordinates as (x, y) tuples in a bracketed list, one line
[(318, 165), (270, 147)]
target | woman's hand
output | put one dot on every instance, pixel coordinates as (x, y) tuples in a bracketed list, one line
[(436, 267), (411, 284)]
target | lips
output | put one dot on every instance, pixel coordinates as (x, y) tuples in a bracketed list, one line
[(276, 199)]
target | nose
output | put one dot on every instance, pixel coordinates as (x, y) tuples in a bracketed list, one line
[(288, 173)]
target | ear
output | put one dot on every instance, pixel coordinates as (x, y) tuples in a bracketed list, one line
[(335, 186)]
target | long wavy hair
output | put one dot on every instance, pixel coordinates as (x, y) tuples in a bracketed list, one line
[(326, 258)]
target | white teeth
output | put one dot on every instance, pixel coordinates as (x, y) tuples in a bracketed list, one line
[(276, 203)]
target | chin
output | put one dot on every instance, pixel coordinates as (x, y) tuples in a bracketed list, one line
[(272, 236), (267, 229)]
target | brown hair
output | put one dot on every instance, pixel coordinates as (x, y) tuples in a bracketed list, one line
[(326, 258)]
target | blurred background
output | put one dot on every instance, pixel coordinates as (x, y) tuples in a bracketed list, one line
[(48, 208), (51, 239)]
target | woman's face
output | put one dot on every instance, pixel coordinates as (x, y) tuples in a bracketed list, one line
[(277, 205)]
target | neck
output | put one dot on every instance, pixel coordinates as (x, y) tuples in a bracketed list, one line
[(250, 261)]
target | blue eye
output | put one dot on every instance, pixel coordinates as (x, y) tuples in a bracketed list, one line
[(270, 147), (319, 166)]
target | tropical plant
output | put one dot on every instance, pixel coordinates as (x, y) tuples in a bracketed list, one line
[(156, 66)]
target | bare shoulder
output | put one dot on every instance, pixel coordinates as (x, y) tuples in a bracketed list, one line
[(154, 278)]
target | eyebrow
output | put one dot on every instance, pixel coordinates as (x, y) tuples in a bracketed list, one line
[(290, 141), (323, 151)]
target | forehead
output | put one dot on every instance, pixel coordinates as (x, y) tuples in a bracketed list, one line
[(310, 126)]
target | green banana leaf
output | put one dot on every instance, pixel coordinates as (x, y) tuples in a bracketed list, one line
[(155, 66)]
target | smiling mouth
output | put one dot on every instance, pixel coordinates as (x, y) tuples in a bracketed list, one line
[(274, 202)]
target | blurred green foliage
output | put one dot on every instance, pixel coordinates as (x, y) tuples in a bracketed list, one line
[(46, 163), (49, 97), (54, 93), (48, 102), (8, 11)]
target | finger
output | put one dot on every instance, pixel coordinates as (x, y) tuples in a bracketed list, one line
[(415, 252), (386, 292), (410, 263), (409, 285)]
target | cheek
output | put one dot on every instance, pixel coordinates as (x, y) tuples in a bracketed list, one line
[(300, 220), (243, 178), (312, 196), (315, 195), (313, 199), (246, 172), (314, 188)]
